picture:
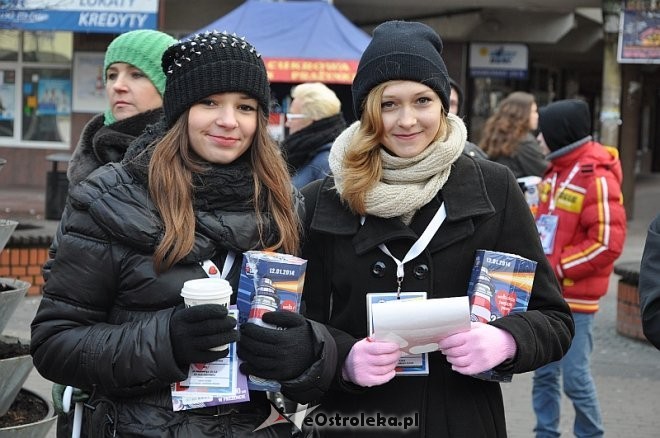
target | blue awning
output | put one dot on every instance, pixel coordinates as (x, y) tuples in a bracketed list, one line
[(98, 16), (300, 41)]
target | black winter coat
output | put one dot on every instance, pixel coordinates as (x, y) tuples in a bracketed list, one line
[(649, 284), (103, 322), (485, 210), (526, 160)]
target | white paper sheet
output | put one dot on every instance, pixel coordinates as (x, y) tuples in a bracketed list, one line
[(418, 325)]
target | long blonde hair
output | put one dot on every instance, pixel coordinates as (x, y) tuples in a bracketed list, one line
[(363, 166), (170, 185)]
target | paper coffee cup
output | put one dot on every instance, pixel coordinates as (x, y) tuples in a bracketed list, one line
[(207, 291)]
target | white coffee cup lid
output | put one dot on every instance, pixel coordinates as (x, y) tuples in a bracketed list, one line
[(206, 287)]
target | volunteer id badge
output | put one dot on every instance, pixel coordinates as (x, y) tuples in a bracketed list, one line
[(546, 225)]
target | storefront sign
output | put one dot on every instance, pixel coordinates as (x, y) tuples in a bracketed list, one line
[(100, 16), (307, 70), (639, 36), (498, 60)]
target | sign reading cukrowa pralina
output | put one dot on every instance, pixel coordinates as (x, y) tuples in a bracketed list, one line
[(296, 70), (99, 16)]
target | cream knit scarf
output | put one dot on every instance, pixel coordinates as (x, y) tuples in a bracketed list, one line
[(407, 184)]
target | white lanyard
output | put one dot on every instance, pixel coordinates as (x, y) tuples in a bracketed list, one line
[(212, 270), (418, 247), (554, 196)]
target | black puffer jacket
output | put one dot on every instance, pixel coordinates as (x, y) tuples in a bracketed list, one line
[(103, 322)]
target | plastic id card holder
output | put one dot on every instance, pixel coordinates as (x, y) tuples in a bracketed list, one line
[(546, 225), (409, 364)]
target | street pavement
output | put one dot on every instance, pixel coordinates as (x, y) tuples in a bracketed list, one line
[(626, 371)]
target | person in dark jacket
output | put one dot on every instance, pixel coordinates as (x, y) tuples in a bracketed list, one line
[(649, 284), (507, 136), (134, 86), (456, 108), (314, 121), (192, 193), (394, 170)]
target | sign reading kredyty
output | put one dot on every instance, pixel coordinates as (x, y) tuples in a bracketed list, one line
[(100, 16)]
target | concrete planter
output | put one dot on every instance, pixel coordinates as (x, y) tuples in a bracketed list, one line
[(15, 370), (10, 298), (7, 227), (38, 429), (13, 373)]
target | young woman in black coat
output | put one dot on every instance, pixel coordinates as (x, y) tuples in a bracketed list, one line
[(205, 184), (393, 171)]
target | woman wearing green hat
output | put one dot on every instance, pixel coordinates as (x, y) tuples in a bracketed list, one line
[(134, 85)]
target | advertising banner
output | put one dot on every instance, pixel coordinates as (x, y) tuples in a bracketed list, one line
[(499, 60), (99, 16), (639, 36)]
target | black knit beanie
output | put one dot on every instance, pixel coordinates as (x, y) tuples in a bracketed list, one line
[(564, 122), (401, 50), (210, 63)]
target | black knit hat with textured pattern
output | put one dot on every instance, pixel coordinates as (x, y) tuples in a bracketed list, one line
[(401, 50), (210, 63)]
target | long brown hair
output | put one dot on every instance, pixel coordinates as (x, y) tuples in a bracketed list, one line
[(505, 129), (170, 185), (363, 166)]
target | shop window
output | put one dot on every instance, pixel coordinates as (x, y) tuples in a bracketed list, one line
[(35, 89), (46, 104), (9, 45), (48, 47), (7, 102)]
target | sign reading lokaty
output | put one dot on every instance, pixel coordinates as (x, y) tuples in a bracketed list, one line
[(100, 16)]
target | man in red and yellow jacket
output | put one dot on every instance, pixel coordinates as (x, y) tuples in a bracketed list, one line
[(582, 224)]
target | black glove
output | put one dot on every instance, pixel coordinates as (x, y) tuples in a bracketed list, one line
[(57, 392), (194, 330), (278, 354)]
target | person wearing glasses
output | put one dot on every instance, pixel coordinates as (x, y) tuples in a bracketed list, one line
[(314, 121)]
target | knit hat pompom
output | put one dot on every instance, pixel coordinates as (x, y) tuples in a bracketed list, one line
[(212, 63), (142, 49), (401, 50)]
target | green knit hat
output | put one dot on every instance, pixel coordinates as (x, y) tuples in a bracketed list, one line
[(142, 49)]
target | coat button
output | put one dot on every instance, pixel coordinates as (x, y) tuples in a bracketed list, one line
[(421, 271), (378, 269)]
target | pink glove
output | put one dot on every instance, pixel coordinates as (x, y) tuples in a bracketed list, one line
[(371, 363), (482, 348)]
